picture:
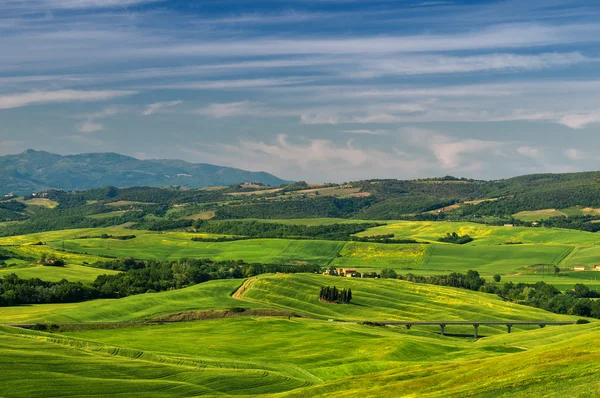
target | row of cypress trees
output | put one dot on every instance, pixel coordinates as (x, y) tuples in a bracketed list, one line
[(333, 295)]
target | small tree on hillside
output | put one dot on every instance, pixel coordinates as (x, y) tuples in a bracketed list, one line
[(497, 278)]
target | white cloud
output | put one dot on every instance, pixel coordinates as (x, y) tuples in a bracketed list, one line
[(233, 84), (82, 4), (435, 64), (232, 109), (89, 127), (323, 158), (580, 120), (318, 119), (503, 36), (10, 101), (157, 106), (531, 152), (450, 151), (367, 132), (577, 154)]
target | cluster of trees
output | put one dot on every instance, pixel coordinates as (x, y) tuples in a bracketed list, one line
[(164, 225), (257, 229), (470, 281), (334, 295), (17, 291), (320, 206), (11, 210), (455, 238), (580, 301)]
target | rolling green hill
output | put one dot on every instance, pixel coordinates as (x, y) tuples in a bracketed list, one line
[(299, 357)]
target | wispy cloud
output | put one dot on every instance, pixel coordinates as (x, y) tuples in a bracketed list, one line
[(497, 37), (580, 120), (89, 127), (91, 124), (437, 64), (157, 106), (232, 109), (86, 4), (367, 132), (43, 97)]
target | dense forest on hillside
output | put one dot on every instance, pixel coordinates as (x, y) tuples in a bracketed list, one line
[(447, 198)]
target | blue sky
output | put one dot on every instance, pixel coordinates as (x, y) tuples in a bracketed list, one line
[(319, 90)]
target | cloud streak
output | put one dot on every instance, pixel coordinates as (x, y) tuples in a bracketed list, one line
[(11, 101)]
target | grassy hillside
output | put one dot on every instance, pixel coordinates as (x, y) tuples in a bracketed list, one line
[(209, 295), (174, 246), (299, 357), (385, 300), (482, 234), (70, 272)]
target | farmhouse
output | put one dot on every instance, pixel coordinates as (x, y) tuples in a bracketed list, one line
[(330, 272), (579, 268), (597, 267), (345, 271), (353, 274), (509, 225)]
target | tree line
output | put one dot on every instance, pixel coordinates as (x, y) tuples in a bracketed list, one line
[(580, 301)]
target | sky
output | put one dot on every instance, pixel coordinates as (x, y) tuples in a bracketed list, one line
[(314, 90)]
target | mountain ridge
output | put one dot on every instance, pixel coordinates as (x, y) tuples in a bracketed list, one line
[(33, 171)]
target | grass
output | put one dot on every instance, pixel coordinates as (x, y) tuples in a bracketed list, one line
[(489, 253), (102, 216), (48, 203), (538, 215), (482, 234), (70, 272), (385, 300), (492, 259), (379, 255), (209, 295), (299, 357), (175, 245)]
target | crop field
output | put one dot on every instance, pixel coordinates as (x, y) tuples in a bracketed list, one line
[(299, 357), (482, 234), (493, 259), (50, 204), (379, 255), (70, 272), (174, 246), (538, 215)]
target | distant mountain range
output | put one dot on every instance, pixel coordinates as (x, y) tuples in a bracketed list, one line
[(34, 171)]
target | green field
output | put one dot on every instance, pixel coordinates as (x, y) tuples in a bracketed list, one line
[(209, 295), (538, 215), (482, 234), (174, 246), (489, 253), (379, 255), (70, 272), (299, 357)]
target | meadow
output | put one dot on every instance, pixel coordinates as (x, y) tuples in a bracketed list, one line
[(173, 246), (516, 253), (209, 295), (299, 357)]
